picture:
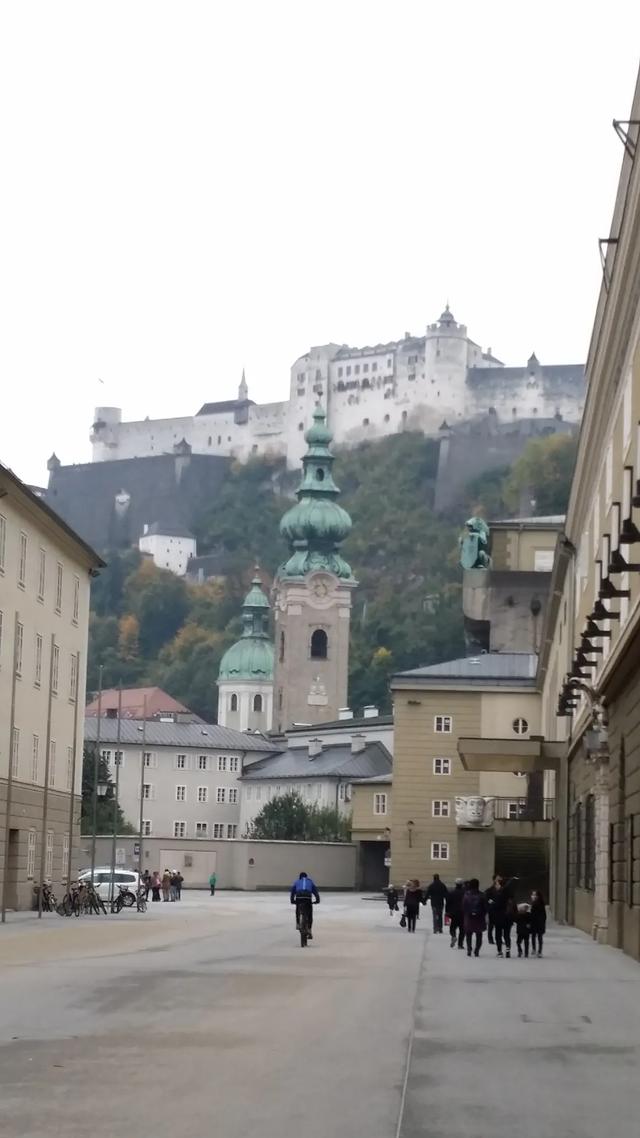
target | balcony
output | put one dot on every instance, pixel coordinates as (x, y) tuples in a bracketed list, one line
[(524, 809)]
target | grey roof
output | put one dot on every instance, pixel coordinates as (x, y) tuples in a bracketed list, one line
[(347, 724), (490, 667), (538, 521), (224, 405), (375, 779), (334, 761), (167, 529), (202, 735)]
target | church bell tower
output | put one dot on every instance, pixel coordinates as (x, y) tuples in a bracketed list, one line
[(313, 591)]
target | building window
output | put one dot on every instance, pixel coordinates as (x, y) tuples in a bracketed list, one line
[(181, 762), (386, 418), (31, 855), (181, 794), (202, 829), (589, 843), (148, 791), (342, 791), (577, 838), (440, 808), (65, 857), (147, 827), (73, 679), (35, 754), (55, 669), (222, 763), (232, 830), (52, 762), (319, 644), (365, 422), (233, 702), (202, 763), (380, 803), (374, 366), (69, 768), (37, 679), (339, 373), (520, 726), (218, 830), (22, 561), (221, 794), (48, 871), (76, 599), (179, 829), (234, 765), (3, 541), (439, 851), (249, 793), (514, 810), (203, 794), (442, 766), (118, 759), (257, 703), (443, 724), (543, 560), (19, 646), (233, 796), (42, 574), (258, 793), (281, 652), (150, 760), (59, 588), (15, 751)]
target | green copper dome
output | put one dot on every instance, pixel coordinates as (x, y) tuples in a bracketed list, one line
[(316, 525), (251, 657)]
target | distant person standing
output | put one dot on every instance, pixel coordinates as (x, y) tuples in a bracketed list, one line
[(412, 902), (179, 884), (474, 909), (523, 928), (213, 878), (537, 921), (454, 912), (166, 885), (437, 894), (146, 884), (156, 882)]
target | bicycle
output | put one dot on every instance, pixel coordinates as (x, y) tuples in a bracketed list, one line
[(124, 900), (49, 902), (303, 921), (141, 898)]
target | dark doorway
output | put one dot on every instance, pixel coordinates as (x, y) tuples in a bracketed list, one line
[(528, 860), (374, 874)]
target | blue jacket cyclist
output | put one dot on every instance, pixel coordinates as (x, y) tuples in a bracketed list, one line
[(303, 890)]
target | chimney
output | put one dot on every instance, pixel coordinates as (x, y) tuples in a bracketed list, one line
[(345, 713), (358, 744), (315, 748), (370, 711)]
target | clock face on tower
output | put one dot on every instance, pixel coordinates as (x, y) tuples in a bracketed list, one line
[(319, 589)]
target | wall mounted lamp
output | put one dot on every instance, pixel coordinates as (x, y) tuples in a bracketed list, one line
[(410, 826)]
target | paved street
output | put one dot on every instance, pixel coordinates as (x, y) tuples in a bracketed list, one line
[(207, 1017)]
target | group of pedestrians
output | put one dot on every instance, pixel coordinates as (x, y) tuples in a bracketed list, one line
[(169, 884), (470, 912)]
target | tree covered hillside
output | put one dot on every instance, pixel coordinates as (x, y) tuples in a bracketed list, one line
[(148, 626)]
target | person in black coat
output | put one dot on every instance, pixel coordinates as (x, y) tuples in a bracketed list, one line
[(437, 894), (537, 921), (392, 899), (412, 900), (454, 912)]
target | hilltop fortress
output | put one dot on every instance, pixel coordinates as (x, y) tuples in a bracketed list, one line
[(442, 380)]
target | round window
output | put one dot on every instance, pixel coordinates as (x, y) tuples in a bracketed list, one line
[(520, 726)]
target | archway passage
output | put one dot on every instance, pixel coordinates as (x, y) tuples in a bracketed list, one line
[(319, 644)]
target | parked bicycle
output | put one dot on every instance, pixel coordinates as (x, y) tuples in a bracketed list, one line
[(125, 900), (49, 902)]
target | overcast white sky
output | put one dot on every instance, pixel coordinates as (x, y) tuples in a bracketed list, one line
[(190, 188)]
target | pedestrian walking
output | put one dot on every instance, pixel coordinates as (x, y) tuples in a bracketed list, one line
[(412, 902), (166, 885), (454, 912), (173, 887), (537, 921), (213, 878), (156, 882), (490, 895), (437, 895), (474, 909), (523, 928), (503, 911), (146, 884), (179, 882), (392, 899)]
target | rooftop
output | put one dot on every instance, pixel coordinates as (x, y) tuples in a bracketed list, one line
[(204, 736), (166, 529), (223, 406), (347, 724), (502, 668), (158, 702), (550, 521), (334, 761)]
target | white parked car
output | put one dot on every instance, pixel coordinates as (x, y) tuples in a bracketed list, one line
[(102, 880)]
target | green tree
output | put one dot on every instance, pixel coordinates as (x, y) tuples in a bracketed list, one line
[(543, 474), (288, 818), (105, 805), (160, 602)]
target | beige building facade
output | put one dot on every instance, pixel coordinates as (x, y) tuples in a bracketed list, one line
[(45, 572)]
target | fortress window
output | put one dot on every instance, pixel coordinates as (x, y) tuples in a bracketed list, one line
[(390, 363), (257, 703), (356, 370), (254, 448), (365, 367), (209, 441), (404, 414), (386, 418), (281, 654), (374, 366), (319, 644), (412, 360), (301, 426), (365, 422), (233, 702), (340, 370), (514, 410), (348, 371)]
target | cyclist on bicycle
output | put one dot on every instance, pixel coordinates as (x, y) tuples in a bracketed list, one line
[(303, 891)]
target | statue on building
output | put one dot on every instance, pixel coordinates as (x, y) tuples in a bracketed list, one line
[(474, 812), (474, 545)]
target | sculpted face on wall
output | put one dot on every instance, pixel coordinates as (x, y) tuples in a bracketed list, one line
[(474, 812)]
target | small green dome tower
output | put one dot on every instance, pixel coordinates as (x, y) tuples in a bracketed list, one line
[(245, 677)]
